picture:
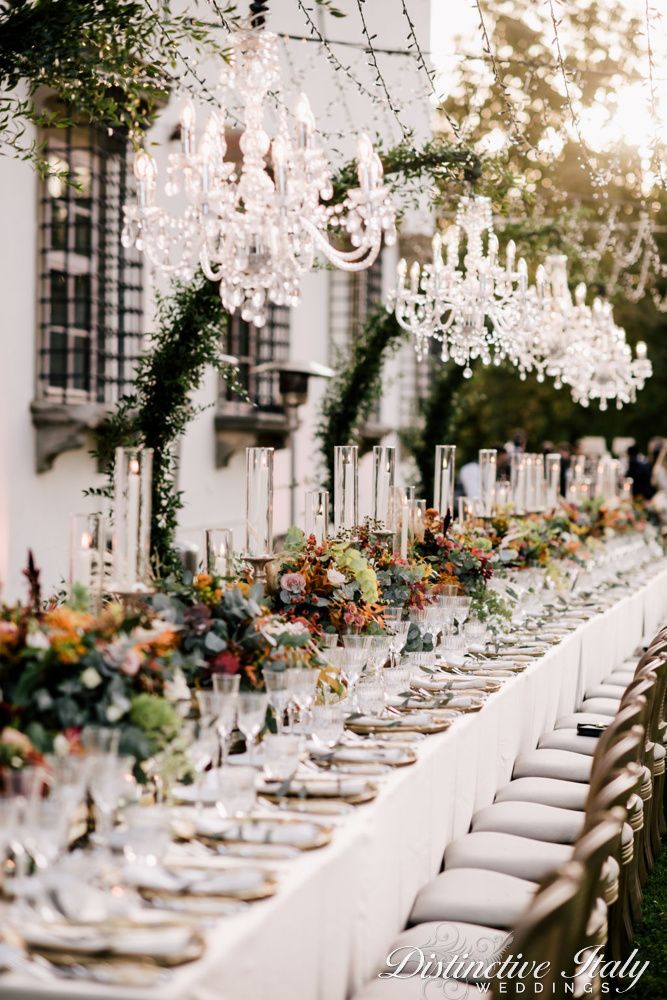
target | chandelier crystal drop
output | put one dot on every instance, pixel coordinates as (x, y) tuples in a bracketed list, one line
[(464, 297), (257, 224)]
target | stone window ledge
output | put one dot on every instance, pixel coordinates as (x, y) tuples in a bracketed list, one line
[(61, 427), (236, 430)]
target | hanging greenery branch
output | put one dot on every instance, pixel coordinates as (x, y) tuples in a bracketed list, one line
[(354, 391), (190, 337), (108, 62)]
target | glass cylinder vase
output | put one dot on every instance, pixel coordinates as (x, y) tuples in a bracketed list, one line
[(133, 473), (384, 470), (488, 458), (445, 476), (518, 482), (553, 461), (317, 514), (220, 552), (86, 557), (346, 487), (259, 502)]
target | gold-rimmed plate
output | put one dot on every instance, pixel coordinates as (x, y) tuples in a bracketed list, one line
[(257, 831)]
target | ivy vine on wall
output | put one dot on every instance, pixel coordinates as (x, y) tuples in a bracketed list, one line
[(190, 336)]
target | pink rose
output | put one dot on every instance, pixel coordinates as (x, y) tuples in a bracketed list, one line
[(131, 663)]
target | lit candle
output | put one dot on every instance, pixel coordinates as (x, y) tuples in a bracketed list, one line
[(405, 521), (132, 576)]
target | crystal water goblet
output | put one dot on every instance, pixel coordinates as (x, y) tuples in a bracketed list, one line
[(235, 790), (278, 692), (328, 723), (282, 752), (370, 694), (251, 718), (227, 687)]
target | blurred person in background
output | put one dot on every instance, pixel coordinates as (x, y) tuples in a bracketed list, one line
[(640, 471)]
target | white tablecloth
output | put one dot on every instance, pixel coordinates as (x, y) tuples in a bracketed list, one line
[(330, 925)]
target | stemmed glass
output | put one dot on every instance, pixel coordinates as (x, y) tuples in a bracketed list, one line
[(21, 789), (46, 828), (302, 683), (202, 748), (226, 686), (278, 692), (100, 739), (251, 718), (398, 630), (281, 756), (328, 640), (378, 652), (68, 777), (461, 610), (350, 662), (108, 777)]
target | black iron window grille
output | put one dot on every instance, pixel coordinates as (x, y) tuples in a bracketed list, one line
[(91, 288), (253, 346)]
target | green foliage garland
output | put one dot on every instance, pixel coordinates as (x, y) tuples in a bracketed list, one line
[(106, 62), (357, 386), (190, 337)]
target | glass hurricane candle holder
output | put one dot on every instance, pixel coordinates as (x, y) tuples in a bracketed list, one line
[(419, 519), (220, 552), (346, 487), (317, 514), (402, 523), (553, 469), (445, 476), (488, 458), (259, 503), (518, 482), (133, 472), (384, 467), (86, 556)]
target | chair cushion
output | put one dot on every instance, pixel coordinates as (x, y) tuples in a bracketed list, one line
[(554, 764), (600, 706), (417, 988), (548, 791), (619, 676), (505, 852), (473, 895), (606, 691), (446, 942), (588, 718), (568, 739), (531, 819)]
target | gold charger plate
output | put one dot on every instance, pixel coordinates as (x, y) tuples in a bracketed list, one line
[(358, 757), (267, 889), (402, 725), (322, 838)]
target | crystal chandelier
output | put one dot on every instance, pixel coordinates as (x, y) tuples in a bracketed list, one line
[(605, 369), (256, 226), (468, 301)]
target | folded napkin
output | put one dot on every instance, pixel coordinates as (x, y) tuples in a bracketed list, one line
[(296, 833)]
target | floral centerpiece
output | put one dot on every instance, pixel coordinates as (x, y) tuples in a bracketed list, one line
[(228, 628), (63, 669), (331, 586), (455, 557)]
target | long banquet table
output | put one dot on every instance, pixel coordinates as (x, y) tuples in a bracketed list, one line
[(328, 928)]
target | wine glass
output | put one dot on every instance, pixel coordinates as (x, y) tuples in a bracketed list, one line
[(251, 717), (328, 640), (461, 610), (201, 750), (398, 630), (108, 778), (68, 777), (226, 686), (378, 651), (303, 683), (278, 692)]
